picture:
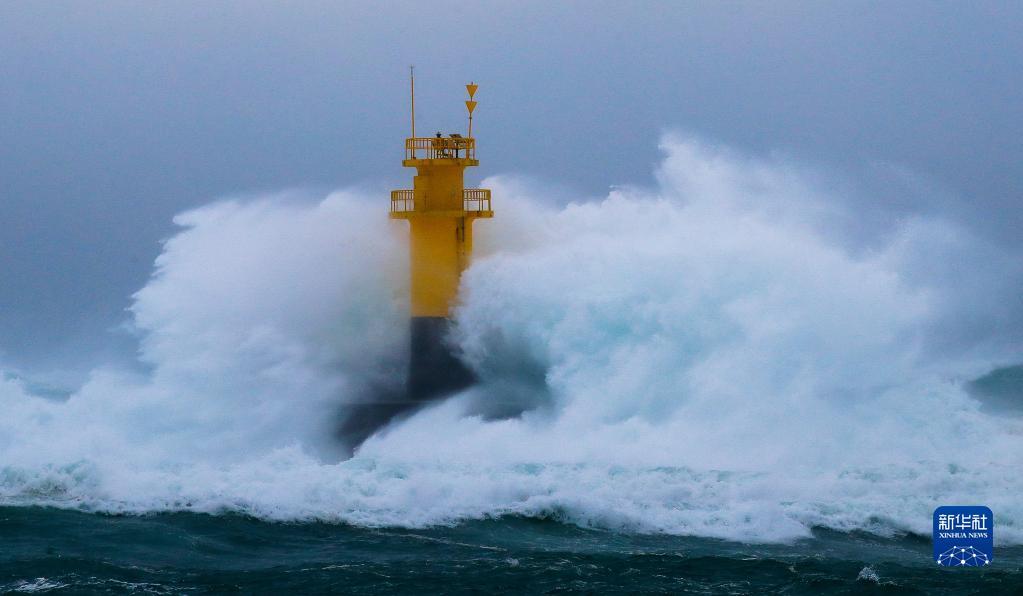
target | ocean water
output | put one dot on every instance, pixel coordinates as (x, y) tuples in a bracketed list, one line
[(714, 385), (62, 552)]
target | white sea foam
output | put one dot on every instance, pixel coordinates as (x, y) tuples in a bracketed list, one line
[(707, 357)]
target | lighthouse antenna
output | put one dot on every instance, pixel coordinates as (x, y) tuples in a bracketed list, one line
[(412, 97)]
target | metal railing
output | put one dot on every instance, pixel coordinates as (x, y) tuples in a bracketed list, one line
[(402, 201), (474, 200), (440, 148)]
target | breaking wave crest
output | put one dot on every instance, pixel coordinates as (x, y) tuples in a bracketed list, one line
[(709, 357)]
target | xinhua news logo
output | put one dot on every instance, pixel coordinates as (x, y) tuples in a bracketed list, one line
[(964, 536)]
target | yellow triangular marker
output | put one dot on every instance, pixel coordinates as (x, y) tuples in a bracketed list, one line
[(471, 88), (471, 105)]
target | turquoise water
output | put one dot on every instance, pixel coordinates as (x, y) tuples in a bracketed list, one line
[(665, 376), (52, 551)]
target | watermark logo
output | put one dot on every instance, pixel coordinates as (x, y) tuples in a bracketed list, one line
[(964, 536)]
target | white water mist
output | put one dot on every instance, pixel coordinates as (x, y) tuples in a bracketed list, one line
[(710, 356)]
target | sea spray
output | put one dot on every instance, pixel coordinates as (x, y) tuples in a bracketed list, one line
[(704, 357)]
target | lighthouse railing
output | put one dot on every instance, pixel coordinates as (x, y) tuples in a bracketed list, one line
[(474, 200), (403, 200), (440, 148)]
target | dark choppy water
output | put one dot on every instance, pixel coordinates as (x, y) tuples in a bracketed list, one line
[(65, 552)]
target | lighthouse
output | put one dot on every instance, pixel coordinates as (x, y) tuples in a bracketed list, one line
[(440, 211)]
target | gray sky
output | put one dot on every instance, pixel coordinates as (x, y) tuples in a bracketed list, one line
[(115, 116)]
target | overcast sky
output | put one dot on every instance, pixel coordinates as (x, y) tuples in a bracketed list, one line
[(115, 116)]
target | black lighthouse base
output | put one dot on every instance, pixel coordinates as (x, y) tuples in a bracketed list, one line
[(434, 372)]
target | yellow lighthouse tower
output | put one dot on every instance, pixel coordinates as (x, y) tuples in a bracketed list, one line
[(440, 212)]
